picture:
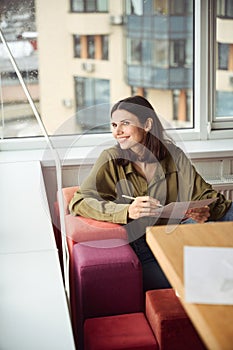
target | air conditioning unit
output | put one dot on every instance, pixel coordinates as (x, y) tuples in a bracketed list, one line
[(88, 66), (116, 19)]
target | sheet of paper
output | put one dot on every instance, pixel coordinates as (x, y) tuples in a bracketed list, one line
[(176, 210), (208, 275)]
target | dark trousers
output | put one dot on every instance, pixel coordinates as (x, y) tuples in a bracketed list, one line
[(153, 276)]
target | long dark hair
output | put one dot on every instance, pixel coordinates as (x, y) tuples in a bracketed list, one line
[(157, 141)]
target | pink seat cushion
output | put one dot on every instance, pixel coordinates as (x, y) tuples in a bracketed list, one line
[(170, 323), (81, 229), (125, 332)]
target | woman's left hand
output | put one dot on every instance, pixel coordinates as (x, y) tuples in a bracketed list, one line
[(198, 214)]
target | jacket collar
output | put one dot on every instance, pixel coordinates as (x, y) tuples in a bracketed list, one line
[(167, 166)]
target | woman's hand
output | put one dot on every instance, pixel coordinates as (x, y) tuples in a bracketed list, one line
[(143, 206), (198, 214)]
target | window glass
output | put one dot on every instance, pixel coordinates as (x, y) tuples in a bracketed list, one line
[(135, 51), (89, 5), (93, 59), (159, 56), (102, 5), (18, 28), (77, 5), (225, 8), (77, 46), (223, 54), (91, 46), (177, 7), (224, 103), (177, 53), (224, 63), (105, 43), (161, 49), (161, 7), (134, 7), (92, 104)]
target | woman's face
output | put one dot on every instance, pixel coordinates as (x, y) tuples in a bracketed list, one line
[(127, 130)]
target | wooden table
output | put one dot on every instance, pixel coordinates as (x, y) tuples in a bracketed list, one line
[(214, 323)]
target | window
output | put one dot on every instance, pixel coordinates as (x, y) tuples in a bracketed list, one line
[(161, 49), (223, 69), (135, 51), (161, 7), (92, 104), (225, 8), (179, 54), (89, 5), (134, 7), (91, 46), (224, 105), (17, 23), (182, 105), (223, 54), (177, 7)]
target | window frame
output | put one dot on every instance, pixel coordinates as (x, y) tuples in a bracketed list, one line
[(216, 125)]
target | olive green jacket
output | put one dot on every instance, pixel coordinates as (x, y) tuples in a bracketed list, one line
[(100, 195)]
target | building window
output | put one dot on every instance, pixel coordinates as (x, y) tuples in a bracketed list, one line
[(134, 7), (156, 52), (77, 46), (161, 53), (177, 53), (225, 8), (182, 106), (104, 46), (92, 104), (134, 51), (89, 5), (223, 53), (91, 46), (177, 7), (10, 78), (161, 7), (224, 105)]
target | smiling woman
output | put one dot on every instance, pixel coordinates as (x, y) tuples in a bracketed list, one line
[(147, 165)]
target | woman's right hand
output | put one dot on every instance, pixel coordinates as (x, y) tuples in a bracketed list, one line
[(143, 206)]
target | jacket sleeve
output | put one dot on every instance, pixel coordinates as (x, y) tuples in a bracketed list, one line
[(97, 196), (196, 188)]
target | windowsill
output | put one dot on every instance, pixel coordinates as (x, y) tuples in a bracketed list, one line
[(71, 156), (221, 148)]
